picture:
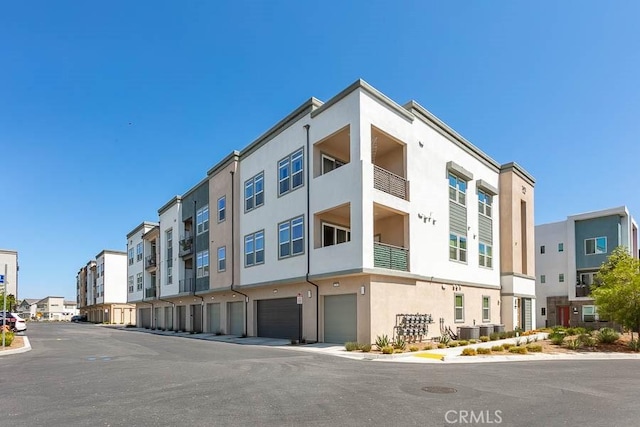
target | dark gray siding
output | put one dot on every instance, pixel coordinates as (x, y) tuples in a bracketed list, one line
[(201, 198), (609, 227)]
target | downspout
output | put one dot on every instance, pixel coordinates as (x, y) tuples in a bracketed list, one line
[(307, 127), (233, 255), (195, 258)]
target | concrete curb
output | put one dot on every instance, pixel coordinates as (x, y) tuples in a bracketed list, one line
[(26, 347)]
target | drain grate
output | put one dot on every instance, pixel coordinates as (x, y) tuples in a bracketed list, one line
[(439, 390)]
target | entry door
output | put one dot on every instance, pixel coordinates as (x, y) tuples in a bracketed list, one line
[(526, 314), (563, 316)]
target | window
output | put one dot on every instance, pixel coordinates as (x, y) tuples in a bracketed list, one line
[(457, 248), (561, 277), (334, 234), (486, 309), (329, 163), (486, 255), (139, 252), (290, 172), (543, 279), (202, 264), (597, 245), (222, 205), (254, 192), (560, 247), (543, 311), (169, 234), (291, 238), (222, 258), (484, 203), (459, 308), (139, 281), (542, 249), (589, 313), (457, 189), (254, 249), (202, 220), (130, 256), (130, 284)]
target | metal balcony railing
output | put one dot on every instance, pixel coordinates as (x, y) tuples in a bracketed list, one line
[(150, 261), (390, 183), (186, 244), (391, 257), (186, 285), (150, 292)]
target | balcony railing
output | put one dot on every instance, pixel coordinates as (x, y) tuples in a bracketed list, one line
[(186, 285), (186, 244), (150, 261), (583, 290), (390, 183), (391, 257), (150, 292)]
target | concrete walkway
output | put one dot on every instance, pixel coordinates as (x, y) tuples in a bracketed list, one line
[(437, 356)]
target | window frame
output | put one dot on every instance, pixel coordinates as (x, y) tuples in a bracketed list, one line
[(290, 243), (561, 247), (486, 318), (287, 163), (594, 313), (483, 205), (222, 259), (169, 240), (560, 277), (139, 282), (335, 227), (254, 238), (130, 284), (139, 250), (252, 182), (457, 319), (222, 211), (457, 248), (202, 264), (460, 194), (487, 254), (543, 249), (201, 221), (336, 163), (130, 256), (543, 278), (595, 245), (543, 311)]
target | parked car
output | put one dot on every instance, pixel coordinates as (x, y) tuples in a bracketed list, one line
[(79, 318), (14, 321)]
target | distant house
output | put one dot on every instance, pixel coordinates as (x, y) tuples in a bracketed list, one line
[(55, 308), (27, 308)]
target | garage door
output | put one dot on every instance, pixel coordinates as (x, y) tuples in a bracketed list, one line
[(145, 317), (168, 318), (196, 318), (340, 318), (182, 317), (236, 318), (213, 318), (279, 318)]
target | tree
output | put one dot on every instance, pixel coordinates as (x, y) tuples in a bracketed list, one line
[(617, 293), (11, 302)]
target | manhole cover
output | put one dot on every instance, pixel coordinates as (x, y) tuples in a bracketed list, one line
[(439, 390)]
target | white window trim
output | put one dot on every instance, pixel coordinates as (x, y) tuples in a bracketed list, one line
[(336, 162), (595, 246), (202, 269), (488, 308), (457, 189), (289, 224), (223, 210), (458, 249), (200, 221), (455, 308), (288, 163), (543, 278), (488, 196), (486, 257), (561, 278), (254, 252), (222, 259), (335, 233), (252, 181)]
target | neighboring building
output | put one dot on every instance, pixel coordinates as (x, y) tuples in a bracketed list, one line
[(104, 283), (141, 266), (55, 309), (27, 308), (341, 218), (568, 255), (10, 259)]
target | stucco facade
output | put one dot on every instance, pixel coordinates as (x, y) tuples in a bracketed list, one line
[(9, 258)]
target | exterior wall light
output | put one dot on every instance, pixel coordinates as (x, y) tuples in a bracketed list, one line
[(362, 290), (309, 294)]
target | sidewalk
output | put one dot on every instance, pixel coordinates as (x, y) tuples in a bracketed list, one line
[(435, 356)]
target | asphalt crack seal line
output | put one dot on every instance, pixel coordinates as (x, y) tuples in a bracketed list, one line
[(439, 390)]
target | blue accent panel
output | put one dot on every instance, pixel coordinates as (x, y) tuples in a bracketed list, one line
[(609, 227)]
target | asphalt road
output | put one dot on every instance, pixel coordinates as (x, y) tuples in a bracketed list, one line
[(87, 375)]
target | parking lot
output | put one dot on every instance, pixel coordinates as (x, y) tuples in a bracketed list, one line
[(83, 374)]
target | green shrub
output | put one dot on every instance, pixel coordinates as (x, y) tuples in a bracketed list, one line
[(442, 345), (468, 352), (484, 350), (351, 346), (398, 350), (382, 341), (503, 335), (587, 340), (454, 344), (576, 331), (387, 350), (366, 348), (428, 347), (557, 338), (399, 343), (607, 336), (472, 341), (518, 350), (484, 338), (444, 339), (510, 334), (573, 344), (494, 336), (8, 338), (634, 345), (413, 348), (534, 348), (497, 348), (507, 345), (462, 343)]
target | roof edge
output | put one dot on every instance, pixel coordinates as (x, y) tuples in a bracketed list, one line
[(518, 170)]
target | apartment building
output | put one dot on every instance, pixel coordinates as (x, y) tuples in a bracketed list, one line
[(102, 289), (569, 253), (341, 218), (9, 258), (54, 308), (142, 246)]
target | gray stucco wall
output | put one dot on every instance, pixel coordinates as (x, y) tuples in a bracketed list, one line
[(609, 227)]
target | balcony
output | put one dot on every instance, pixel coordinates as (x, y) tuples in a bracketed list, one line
[(391, 257), (390, 183), (186, 285), (150, 292), (186, 245), (150, 261)]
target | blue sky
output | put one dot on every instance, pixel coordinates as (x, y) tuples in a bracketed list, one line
[(109, 109)]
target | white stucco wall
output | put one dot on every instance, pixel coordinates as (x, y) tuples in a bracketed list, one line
[(552, 263), (115, 278), (171, 218)]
